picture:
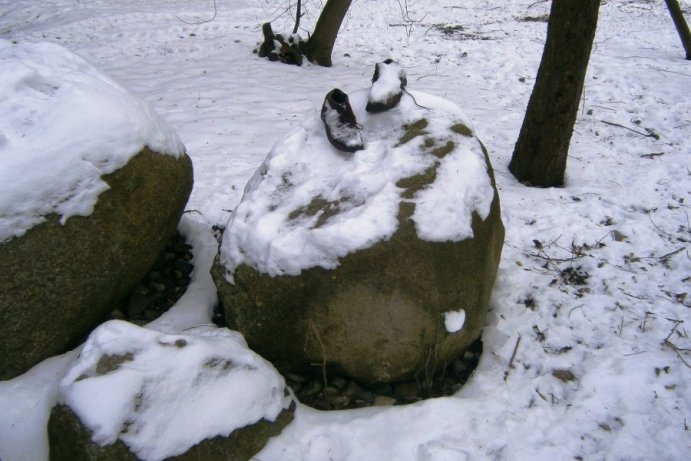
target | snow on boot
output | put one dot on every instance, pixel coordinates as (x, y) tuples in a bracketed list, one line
[(388, 82), (342, 128)]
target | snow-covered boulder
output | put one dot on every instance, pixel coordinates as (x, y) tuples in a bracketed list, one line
[(92, 184), (378, 263), (136, 393)]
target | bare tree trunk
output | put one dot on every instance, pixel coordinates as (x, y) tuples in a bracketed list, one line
[(298, 15), (320, 44), (680, 24), (539, 157)]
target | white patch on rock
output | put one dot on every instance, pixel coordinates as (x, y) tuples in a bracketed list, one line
[(63, 125), (454, 320), (120, 387)]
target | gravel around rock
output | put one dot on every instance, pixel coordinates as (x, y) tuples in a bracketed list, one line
[(165, 283), (340, 392)]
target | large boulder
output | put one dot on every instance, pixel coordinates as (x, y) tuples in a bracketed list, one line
[(377, 264), (92, 184), (136, 393)]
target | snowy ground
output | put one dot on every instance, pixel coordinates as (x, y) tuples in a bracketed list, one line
[(586, 351)]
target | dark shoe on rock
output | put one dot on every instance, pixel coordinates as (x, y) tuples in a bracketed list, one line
[(342, 128), (388, 82)]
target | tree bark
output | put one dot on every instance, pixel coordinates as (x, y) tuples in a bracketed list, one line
[(680, 24), (320, 44), (298, 15), (539, 157)]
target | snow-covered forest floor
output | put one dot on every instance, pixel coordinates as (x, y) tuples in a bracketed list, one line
[(586, 348)]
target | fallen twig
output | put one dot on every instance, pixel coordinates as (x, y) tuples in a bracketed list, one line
[(647, 135), (513, 356), (321, 345), (652, 155), (669, 255), (678, 350), (201, 21)]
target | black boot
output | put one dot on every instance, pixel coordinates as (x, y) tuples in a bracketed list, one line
[(388, 82), (342, 128)]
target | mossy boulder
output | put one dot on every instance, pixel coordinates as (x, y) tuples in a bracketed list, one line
[(58, 281), (71, 441), (381, 312), (137, 393)]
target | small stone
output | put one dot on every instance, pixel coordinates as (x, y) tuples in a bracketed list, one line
[(183, 266), (619, 236), (293, 377), (313, 387), (117, 314), (158, 287), (564, 375), (340, 401), (406, 391), (383, 401), (352, 389), (330, 391), (459, 367), (366, 395), (321, 404), (338, 382), (382, 389)]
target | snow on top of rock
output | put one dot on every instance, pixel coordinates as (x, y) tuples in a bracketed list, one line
[(63, 124), (309, 204), (120, 387), (389, 76)]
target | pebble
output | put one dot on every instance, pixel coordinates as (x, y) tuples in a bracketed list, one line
[(160, 289), (383, 401)]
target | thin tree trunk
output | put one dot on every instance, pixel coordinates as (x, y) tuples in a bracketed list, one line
[(539, 157), (680, 24), (320, 45), (298, 15)]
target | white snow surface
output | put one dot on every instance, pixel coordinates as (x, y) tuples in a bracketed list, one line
[(271, 231), (621, 223), (64, 124), (120, 387)]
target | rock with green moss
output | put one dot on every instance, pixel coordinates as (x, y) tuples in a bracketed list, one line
[(92, 184), (137, 393), (71, 441), (58, 281), (378, 265)]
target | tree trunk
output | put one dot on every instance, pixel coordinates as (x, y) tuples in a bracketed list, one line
[(318, 48), (298, 15), (680, 24), (539, 157)]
